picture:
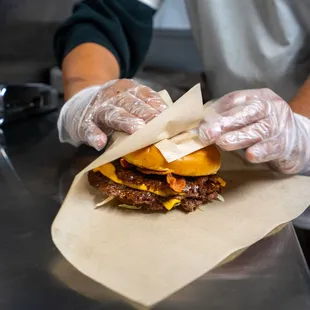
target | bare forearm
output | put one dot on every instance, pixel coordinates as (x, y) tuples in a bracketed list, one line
[(88, 64), (301, 102)]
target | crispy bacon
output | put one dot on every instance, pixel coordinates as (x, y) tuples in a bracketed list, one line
[(176, 183), (124, 163)]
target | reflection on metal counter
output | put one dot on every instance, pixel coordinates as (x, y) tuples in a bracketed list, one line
[(263, 276), (272, 274)]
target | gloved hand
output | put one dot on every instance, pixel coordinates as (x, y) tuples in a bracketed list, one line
[(263, 124), (91, 115)]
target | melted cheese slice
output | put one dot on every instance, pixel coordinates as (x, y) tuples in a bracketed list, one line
[(108, 170), (221, 181), (169, 204)]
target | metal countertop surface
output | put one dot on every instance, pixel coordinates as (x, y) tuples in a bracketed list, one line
[(35, 174)]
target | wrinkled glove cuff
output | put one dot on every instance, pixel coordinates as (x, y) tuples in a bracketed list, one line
[(79, 101), (304, 135)]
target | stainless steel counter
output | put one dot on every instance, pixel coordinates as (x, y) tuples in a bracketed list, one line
[(35, 174)]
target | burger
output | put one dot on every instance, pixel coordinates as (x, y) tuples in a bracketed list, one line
[(145, 180)]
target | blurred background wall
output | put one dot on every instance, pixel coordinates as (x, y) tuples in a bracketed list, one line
[(172, 35), (27, 28), (26, 35)]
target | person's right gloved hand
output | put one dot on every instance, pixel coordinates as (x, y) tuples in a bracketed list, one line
[(260, 122), (94, 113)]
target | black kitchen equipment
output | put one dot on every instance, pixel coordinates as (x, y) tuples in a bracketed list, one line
[(22, 101)]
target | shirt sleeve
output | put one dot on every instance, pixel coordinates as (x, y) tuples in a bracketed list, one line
[(124, 27)]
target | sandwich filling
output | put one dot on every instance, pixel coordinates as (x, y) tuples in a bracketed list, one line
[(152, 190)]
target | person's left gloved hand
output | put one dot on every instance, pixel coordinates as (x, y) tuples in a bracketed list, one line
[(263, 124), (93, 114)]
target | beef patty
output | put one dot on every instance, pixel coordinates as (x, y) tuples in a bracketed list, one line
[(198, 190)]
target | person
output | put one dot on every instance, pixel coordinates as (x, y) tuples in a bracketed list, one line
[(255, 52)]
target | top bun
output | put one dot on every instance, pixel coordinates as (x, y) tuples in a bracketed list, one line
[(200, 163)]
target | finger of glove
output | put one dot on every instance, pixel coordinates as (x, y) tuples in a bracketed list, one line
[(291, 165), (118, 118), (265, 151), (135, 106), (149, 96), (247, 136), (243, 97), (94, 136), (295, 156), (276, 153), (218, 125)]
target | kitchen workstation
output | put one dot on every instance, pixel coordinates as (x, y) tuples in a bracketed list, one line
[(165, 191)]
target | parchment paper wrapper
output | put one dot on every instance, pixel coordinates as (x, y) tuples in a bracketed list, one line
[(147, 257), (186, 142)]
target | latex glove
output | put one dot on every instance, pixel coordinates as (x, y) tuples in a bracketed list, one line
[(263, 124), (91, 115)]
